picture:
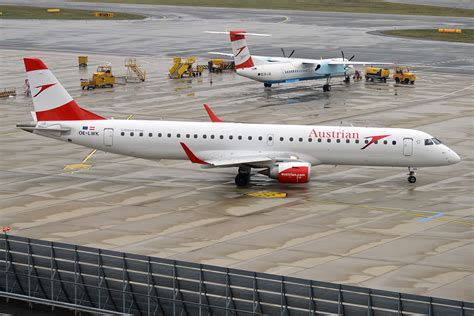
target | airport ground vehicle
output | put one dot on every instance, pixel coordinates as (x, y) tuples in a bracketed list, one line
[(402, 74), (282, 152), (376, 73), (218, 65), (102, 78)]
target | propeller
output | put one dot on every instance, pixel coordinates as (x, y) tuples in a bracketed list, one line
[(342, 53), (284, 55)]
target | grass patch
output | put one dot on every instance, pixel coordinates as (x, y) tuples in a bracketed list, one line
[(467, 36), (25, 12), (359, 6)]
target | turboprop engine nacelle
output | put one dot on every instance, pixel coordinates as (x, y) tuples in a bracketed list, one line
[(289, 172)]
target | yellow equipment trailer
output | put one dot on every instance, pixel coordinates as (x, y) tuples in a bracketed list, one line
[(372, 73)]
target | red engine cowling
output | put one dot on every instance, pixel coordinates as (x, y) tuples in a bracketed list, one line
[(291, 172)]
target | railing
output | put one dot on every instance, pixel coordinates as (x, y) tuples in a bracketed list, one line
[(96, 280)]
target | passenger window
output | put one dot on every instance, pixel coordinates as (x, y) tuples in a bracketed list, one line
[(150, 134), (178, 135), (123, 134), (141, 134), (329, 140), (169, 135), (270, 138), (204, 136), (131, 134), (310, 140), (195, 135), (348, 141), (366, 141), (212, 136), (260, 137), (187, 135), (221, 137), (301, 139), (239, 137), (356, 141), (291, 139), (319, 140), (250, 137), (376, 142), (385, 142), (394, 142), (230, 136), (338, 140), (159, 134), (281, 139)]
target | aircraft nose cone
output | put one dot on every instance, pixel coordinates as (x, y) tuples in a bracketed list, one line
[(452, 156)]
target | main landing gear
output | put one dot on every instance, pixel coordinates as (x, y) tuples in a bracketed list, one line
[(411, 175), (327, 86), (267, 85), (243, 177)]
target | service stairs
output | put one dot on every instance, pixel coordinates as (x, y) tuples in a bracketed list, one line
[(134, 70), (180, 68)]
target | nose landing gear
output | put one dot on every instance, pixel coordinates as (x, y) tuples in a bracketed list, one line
[(327, 86), (411, 175), (243, 177)]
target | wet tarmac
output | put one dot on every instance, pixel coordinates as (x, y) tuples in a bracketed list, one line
[(355, 225)]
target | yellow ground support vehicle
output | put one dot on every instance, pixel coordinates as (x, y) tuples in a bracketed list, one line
[(102, 78), (372, 73), (402, 74), (219, 65)]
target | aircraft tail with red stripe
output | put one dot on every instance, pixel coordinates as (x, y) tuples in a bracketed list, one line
[(242, 57), (50, 100)]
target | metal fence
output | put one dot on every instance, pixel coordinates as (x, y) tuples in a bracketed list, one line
[(104, 281)]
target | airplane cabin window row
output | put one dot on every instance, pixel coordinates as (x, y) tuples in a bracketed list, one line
[(281, 139)]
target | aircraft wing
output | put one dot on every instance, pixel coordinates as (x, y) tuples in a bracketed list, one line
[(222, 159), (240, 160), (223, 54), (363, 63)]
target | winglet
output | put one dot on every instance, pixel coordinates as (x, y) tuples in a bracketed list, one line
[(211, 114), (191, 156)]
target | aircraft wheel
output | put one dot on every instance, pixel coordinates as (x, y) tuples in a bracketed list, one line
[(412, 179), (267, 85), (397, 80), (242, 180)]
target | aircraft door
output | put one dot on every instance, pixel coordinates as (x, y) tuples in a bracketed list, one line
[(108, 136), (270, 139), (408, 146)]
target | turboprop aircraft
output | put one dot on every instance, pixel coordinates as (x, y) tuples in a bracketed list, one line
[(270, 70), (282, 152)]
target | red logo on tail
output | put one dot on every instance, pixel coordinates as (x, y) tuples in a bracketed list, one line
[(240, 50), (374, 139), (43, 87)]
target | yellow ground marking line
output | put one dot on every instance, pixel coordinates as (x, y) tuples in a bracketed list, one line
[(83, 164), (268, 194)]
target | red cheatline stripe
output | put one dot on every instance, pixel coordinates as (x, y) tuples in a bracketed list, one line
[(67, 112), (32, 64)]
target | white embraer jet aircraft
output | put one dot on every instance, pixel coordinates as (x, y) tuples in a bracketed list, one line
[(270, 70), (282, 152)]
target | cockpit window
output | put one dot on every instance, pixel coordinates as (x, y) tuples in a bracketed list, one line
[(432, 141)]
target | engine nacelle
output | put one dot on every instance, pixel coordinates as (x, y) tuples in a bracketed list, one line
[(290, 172)]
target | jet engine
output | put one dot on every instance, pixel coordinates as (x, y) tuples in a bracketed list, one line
[(289, 172)]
